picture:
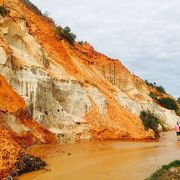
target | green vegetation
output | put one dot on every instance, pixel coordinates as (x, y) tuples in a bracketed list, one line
[(60, 32), (32, 6), (157, 175), (168, 103), (178, 112), (160, 89), (81, 42), (149, 83), (3, 11), (66, 33), (153, 95), (150, 122), (178, 99)]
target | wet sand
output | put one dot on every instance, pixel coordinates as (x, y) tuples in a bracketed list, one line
[(110, 160)]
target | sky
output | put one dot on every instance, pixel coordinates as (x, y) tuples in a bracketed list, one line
[(143, 34)]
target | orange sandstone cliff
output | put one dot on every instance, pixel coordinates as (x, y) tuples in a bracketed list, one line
[(51, 89), (71, 90)]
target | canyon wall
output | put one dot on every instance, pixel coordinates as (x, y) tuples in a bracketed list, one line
[(73, 91)]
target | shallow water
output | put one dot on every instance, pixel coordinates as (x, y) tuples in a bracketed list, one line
[(111, 160)]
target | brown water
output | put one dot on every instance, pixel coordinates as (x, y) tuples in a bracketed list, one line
[(110, 160)]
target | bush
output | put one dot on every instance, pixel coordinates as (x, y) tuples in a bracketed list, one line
[(163, 170), (59, 31), (66, 33), (168, 103), (3, 11), (160, 89), (32, 6), (150, 122), (81, 42)]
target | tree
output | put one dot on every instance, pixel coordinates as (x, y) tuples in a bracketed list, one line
[(67, 29)]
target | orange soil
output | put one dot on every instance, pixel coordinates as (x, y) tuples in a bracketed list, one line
[(10, 101), (10, 150)]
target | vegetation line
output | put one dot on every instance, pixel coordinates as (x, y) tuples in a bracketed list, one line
[(164, 169)]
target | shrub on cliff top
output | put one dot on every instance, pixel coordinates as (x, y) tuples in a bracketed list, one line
[(81, 42), (160, 89), (66, 33), (149, 83), (3, 11)]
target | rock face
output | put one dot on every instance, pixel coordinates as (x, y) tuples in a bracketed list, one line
[(73, 91), (16, 129)]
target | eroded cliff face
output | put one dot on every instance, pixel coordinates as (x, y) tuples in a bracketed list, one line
[(9, 148), (17, 129), (74, 91)]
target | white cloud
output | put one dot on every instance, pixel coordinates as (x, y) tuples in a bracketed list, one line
[(144, 34)]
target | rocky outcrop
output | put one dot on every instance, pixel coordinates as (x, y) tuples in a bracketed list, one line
[(73, 91)]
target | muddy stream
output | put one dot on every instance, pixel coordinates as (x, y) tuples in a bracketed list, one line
[(110, 160)]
